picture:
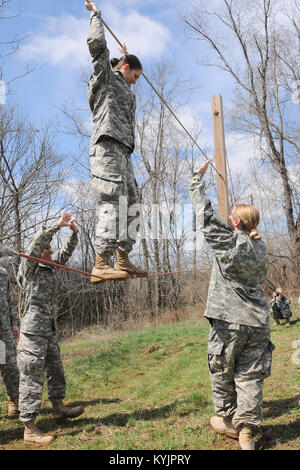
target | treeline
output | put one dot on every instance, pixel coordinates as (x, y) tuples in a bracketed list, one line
[(40, 178)]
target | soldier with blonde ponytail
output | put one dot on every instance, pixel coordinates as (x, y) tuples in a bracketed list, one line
[(239, 347), (249, 217)]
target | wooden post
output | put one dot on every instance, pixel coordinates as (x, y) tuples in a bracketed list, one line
[(220, 154)]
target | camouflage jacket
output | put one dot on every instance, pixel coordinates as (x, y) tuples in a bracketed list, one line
[(39, 283), (277, 305), (8, 304), (240, 266), (111, 100)]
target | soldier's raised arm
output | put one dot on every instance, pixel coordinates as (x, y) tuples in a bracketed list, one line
[(98, 49), (62, 256), (217, 232)]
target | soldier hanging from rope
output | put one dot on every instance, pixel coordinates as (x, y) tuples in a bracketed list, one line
[(113, 106)]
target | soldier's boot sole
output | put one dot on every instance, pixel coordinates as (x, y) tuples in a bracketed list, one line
[(68, 414), (104, 275), (132, 276), (13, 414), (39, 438)]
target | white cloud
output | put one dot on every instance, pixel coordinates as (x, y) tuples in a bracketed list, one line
[(62, 40)]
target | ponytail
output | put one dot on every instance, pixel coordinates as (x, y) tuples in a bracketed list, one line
[(250, 217), (114, 62), (254, 235)]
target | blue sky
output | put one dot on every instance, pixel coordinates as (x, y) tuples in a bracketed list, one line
[(55, 40)]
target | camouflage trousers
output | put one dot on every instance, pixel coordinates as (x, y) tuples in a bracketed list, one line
[(239, 359), (38, 355), (281, 314), (115, 192), (9, 370)]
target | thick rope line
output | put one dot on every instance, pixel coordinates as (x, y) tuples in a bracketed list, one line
[(67, 268), (62, 266)]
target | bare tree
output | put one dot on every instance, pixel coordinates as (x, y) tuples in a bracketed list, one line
[(248, 40), (30, 177)]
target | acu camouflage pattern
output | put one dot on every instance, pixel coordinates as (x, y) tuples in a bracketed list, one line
[(280, 310), (240, 266), (8, 310), (8, 318), (115, 192), (239, 347), (39, 283), (38, 349), (37, 355), (111, 100), (113, 106), (239, 359)]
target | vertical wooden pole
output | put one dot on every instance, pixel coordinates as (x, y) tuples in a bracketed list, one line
[(220, 154)]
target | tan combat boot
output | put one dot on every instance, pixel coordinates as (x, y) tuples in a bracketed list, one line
[(33, 434), (104, 271), (123, 264), (246, 438), (13, 408), (62, 412), (223, 425)]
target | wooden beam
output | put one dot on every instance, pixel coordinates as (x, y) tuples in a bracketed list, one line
[(220, 154)]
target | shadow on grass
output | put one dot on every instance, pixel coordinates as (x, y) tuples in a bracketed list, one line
[(274, 408), (117, 419), (275, 434), (279, 434), (49, 424), (9, 435), (97, 401)]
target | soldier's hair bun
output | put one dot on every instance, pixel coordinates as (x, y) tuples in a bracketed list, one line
[(254, 235), (114, 62), (249, 216)]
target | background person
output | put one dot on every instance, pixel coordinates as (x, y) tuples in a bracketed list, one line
[(38, 349), (113, 105), (239, 347), (280, 307)]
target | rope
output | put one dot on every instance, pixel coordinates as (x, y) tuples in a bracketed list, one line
[(162, 99), (67, 268)]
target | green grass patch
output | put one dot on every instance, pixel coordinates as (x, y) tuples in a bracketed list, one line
[(150, 389)]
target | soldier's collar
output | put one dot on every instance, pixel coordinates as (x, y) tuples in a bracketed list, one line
[(118, 73)]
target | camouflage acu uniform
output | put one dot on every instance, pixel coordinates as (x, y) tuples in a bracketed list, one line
[(280, 308), (239, 347), (8, 318), (38, 349), (113, 106)]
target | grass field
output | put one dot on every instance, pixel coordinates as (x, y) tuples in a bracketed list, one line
[(149, 389)]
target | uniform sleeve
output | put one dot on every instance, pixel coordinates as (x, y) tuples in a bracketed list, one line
[(100, 55), (41, 240), (13, 307), (63, 255), (273, 306), (217, 233)]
